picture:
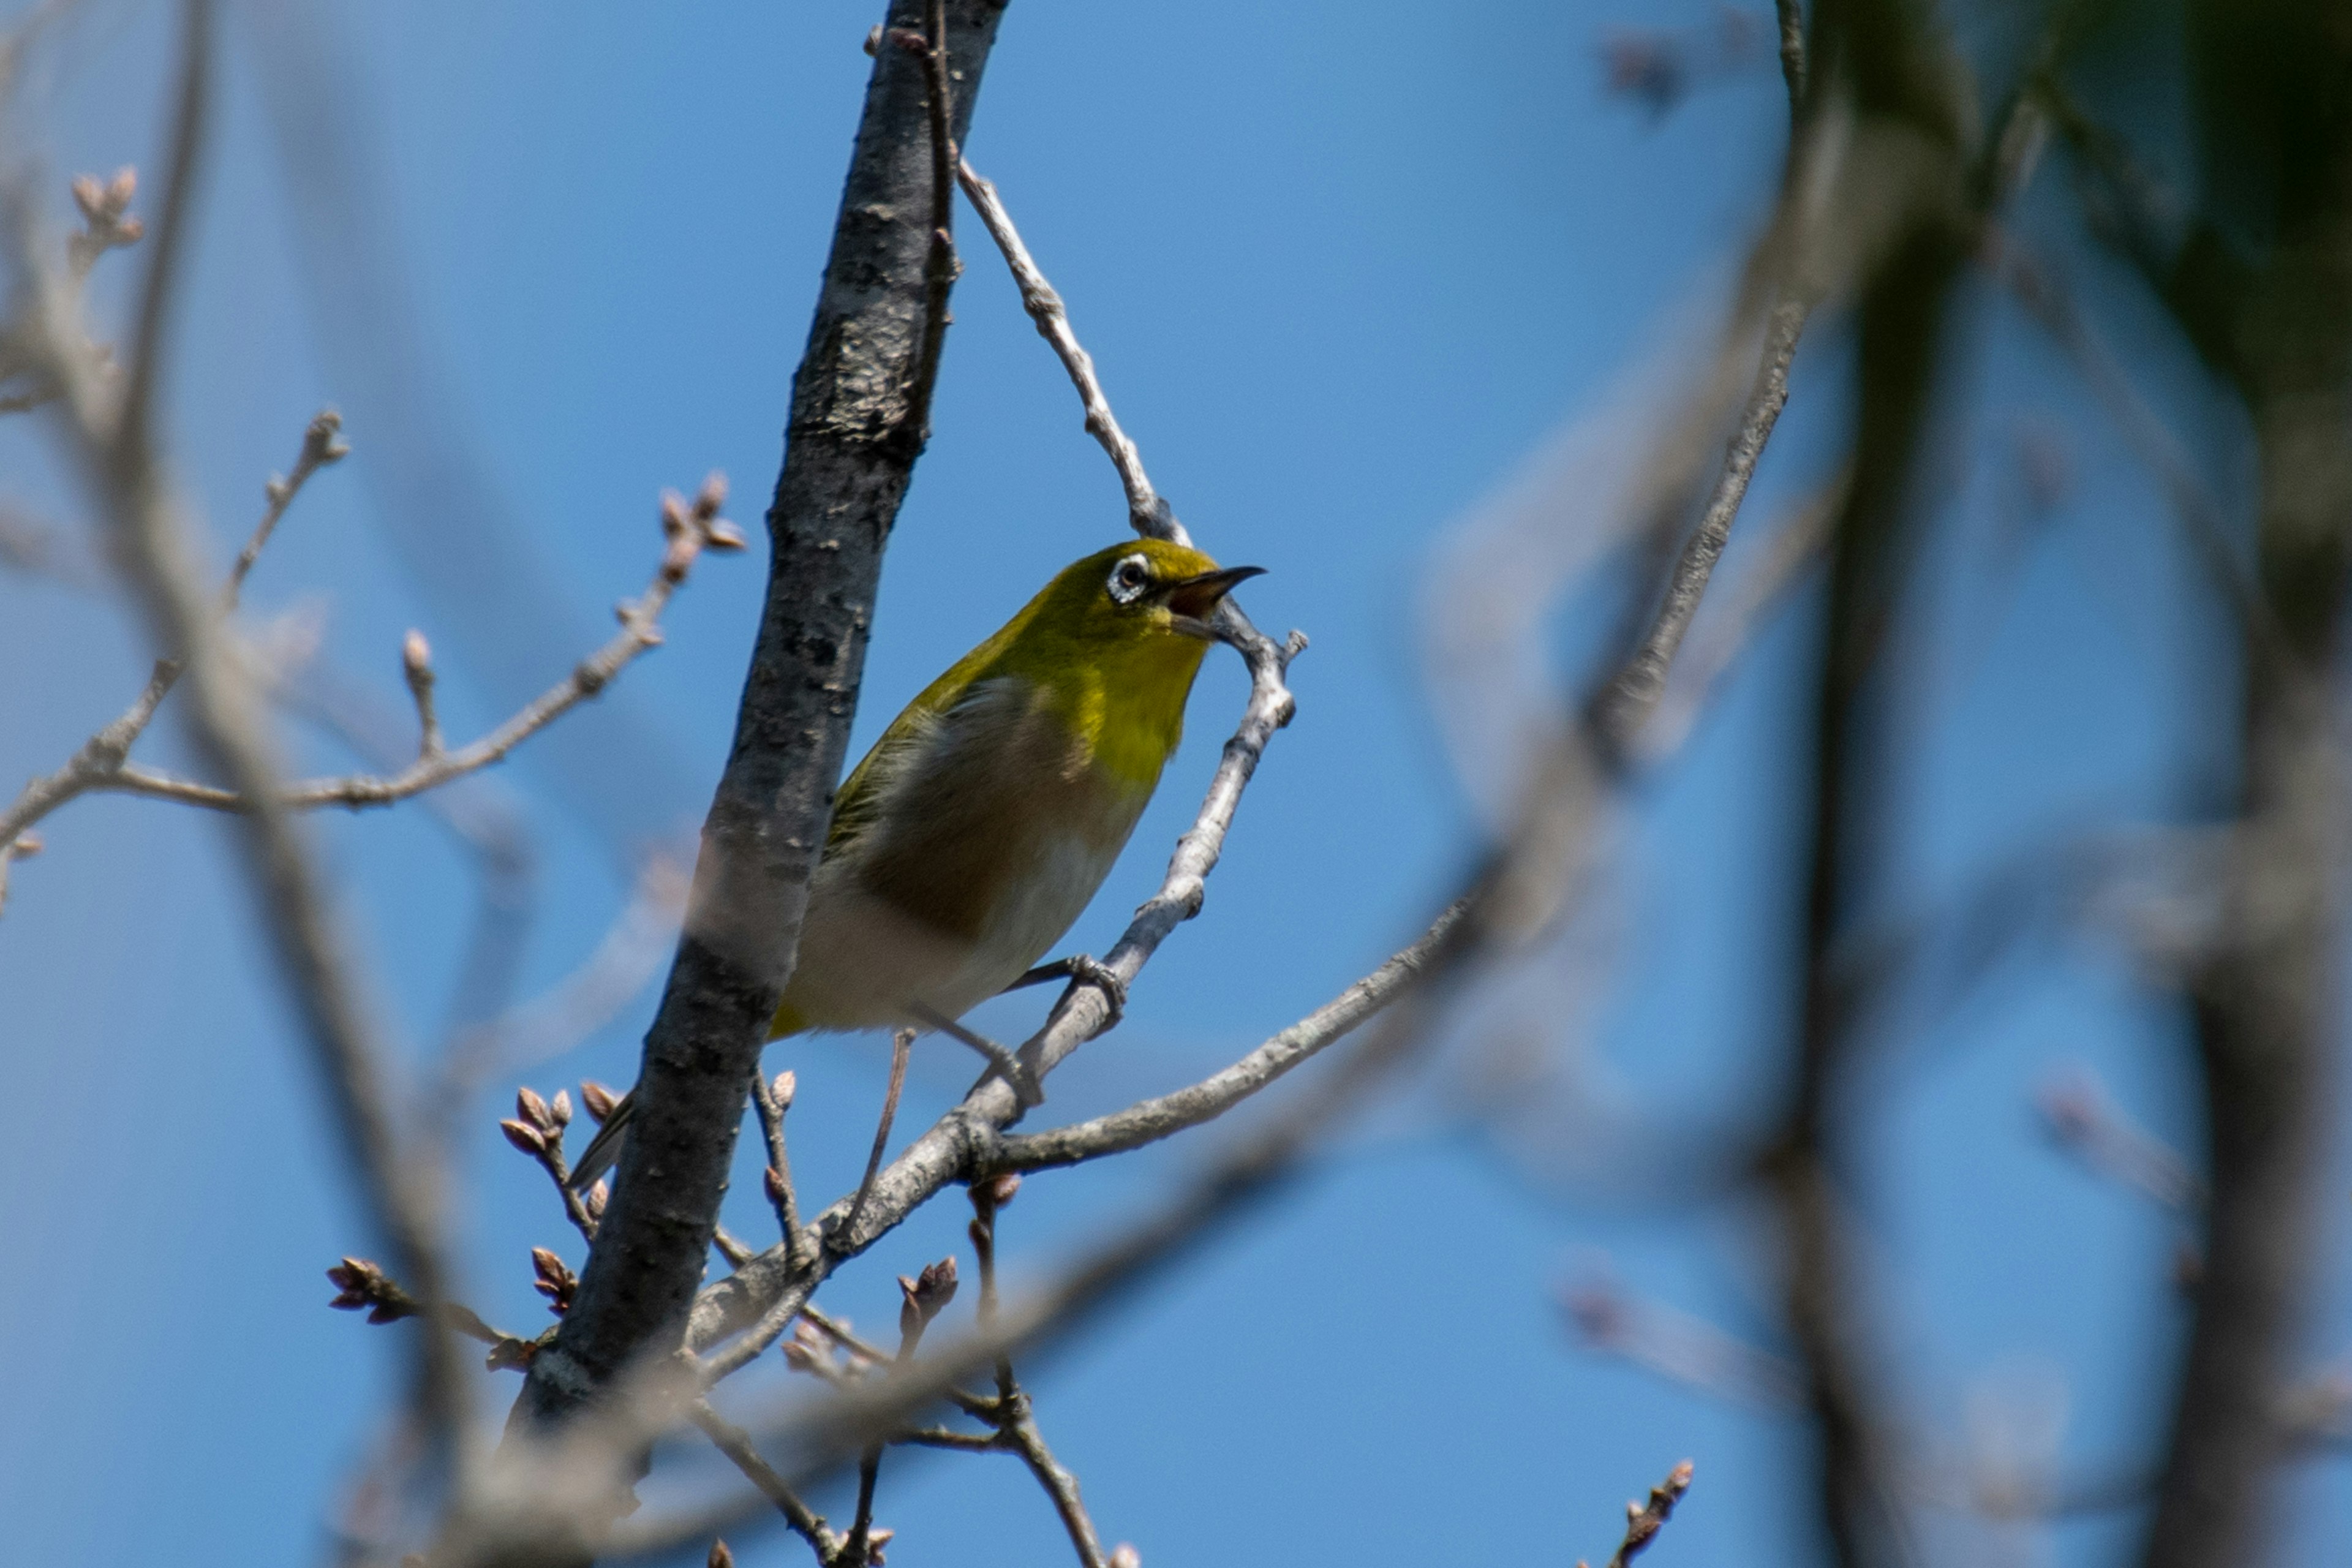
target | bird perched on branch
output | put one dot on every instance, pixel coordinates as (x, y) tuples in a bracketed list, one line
[(980, 826)]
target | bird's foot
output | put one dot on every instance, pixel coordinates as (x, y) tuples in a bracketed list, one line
[(1081, 969), (1085, 970)]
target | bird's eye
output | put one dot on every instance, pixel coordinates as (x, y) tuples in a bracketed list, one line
[(1128, 579)]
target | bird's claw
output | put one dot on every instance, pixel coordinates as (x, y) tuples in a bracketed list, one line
[(1086, 970)]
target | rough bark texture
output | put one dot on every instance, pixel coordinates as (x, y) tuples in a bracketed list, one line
[(857, 424), (2265, 287)]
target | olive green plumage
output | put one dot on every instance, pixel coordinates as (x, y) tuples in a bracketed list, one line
[(983, 820)]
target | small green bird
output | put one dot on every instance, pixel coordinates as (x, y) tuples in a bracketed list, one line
[(981, 825)]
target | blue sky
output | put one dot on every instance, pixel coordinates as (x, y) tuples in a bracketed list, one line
[(1345, 269)]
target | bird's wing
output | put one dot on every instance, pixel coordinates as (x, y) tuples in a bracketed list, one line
[(859, 800)]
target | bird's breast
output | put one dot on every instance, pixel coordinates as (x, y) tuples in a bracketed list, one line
[(1000, 825)]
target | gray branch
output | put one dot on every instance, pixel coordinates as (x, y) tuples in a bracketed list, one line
[(856, 427)]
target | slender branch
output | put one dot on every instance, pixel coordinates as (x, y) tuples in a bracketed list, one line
[(1643, 1521), (1021, 1435), (1634, 693), (640, 631), (901, 1043), (2081, 1120), (536, 1130), (322, 444), (1149, 1120), (104, 756), (362, 1286), (1684, 1349), (773, 1100), (1148, 512), (736, 1444), (1796, 546), (1013, 1413), (580, 1003)]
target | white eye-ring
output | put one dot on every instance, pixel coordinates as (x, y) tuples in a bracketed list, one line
[(1128, 579)]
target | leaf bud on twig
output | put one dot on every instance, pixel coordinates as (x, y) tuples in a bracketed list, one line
[(719, 1556), (553, 1279), (525, 1138), (711, 498), (597, 1100), (323, 442), (533, 1109), (927, 1296), (360, 1283)]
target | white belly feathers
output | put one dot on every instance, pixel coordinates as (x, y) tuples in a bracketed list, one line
[(1012, 833)]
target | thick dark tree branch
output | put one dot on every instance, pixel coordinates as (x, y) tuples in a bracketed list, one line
[(2275, 317), (1884, 65), (858, 426)]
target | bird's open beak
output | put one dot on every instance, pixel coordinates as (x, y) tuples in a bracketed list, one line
[(1193, 600)]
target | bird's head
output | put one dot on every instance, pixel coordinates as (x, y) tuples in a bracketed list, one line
[(1135, 594)]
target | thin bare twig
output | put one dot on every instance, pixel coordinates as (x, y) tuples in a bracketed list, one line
[(1676, 1345), (1795, 547), (1634, 693), (1643, 1521), (773, 1100), (736, 1444), (1013, 1413), (1152, 1119), (1148, 512), (691, 530), (901, 1043), (2085, 1122), (323, 443), (536, 1130), (106, 754)]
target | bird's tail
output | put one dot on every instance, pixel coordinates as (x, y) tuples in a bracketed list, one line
[(604, 1150)]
